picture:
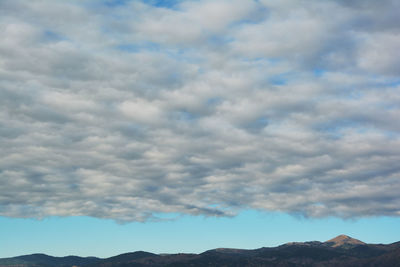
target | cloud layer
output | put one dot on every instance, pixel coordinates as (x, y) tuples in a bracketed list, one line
[(126, 110)]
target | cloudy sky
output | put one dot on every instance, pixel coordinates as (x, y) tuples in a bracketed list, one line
[(148, 115)]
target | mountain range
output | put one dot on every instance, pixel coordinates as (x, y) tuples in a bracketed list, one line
[(339, 251)]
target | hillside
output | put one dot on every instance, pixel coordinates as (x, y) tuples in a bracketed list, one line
[(339, 251)]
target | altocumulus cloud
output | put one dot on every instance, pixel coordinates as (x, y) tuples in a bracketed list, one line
[(129, 109)]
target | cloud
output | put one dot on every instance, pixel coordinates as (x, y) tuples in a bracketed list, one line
[(208, 108), (376, 55)]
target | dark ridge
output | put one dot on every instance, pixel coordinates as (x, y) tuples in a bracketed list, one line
[(340, 251), (46, 260), (131, 258)]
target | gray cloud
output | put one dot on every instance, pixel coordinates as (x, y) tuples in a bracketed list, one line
[(206, 108)]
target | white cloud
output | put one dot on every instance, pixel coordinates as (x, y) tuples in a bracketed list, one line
[(376, 55), (141, 111), (207, 108)]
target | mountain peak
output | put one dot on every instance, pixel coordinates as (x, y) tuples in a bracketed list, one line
[(343, 240)]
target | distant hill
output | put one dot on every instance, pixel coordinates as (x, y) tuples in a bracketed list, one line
[(339, 251), (39, 260), (343, 241), (126, 259)]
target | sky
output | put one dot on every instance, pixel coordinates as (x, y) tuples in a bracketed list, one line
[(186, 125)]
